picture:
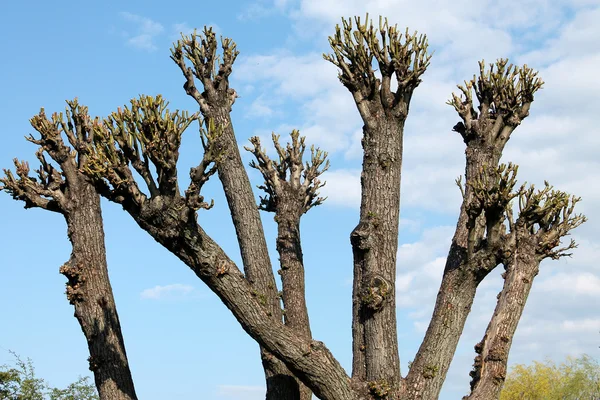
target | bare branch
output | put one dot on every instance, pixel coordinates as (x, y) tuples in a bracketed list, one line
[(289, 176), (145, 133), (210, 69), (49, 189), (504, 94), (208, 166), (355, 49), (44, 194), (549, 215)]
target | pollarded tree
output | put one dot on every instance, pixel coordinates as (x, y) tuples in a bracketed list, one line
[(66, 190), (146, 135)]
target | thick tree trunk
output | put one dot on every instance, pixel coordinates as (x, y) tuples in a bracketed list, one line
[(89, 290), (292, 275), (374, 244)]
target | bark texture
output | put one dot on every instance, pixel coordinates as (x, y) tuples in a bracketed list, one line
[(545, 217), (476, 246), (88, 288), (215, 104), (291, 190), (147, 136), (375, 238), (171, 219)]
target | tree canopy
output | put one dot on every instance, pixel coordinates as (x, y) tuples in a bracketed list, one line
[(131, 158), (572, 379)]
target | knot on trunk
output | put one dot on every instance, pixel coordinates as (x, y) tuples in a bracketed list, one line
[(75, 282), (361, 237), (379, 389), (95, 363), (375, 292)]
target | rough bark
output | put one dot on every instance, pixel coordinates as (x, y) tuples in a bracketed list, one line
[(462, 275), (307, 359), (545, 217), (375, 243), (291, 190), (490, 365), (504, 102), (171, 220), (88, 286), (147, 135), (90, 292), (215, 105), (375, 238)]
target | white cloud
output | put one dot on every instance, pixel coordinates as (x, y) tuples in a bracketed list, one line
[(419, 266), (573, 283), (260, 108), (186, 29), (342, 187), (182, 28), (262, 9), (239, 392), (559, 142), (146, 30), (587, 325), (166, 291)]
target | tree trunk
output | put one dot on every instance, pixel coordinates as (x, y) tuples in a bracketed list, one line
[(489, 369), (89, 290), (253, 246), (374, 244), (175, 227), (292, 278), (462, 275), (66, 190)]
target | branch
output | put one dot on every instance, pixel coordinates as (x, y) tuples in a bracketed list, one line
[(171, 220), (48, 190), (355, 49), (289, 176), (549, 215), (210, 69), (292, 189), (44, 193), (215, 100), (504, 94), (493, 191), (147, 133), (545, 216), (199, 175)]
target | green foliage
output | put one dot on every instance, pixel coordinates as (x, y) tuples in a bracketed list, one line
[(20, 383), (574, 379), (80, 390)]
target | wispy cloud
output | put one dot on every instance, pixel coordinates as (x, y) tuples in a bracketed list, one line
[(262, 9), (186, 29), (145, 31), (167, 291)]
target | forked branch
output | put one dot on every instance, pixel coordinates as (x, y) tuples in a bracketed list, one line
[(355, 49), (504, 94), (171, 218), (289, 176), (545, 217), (211, 69)]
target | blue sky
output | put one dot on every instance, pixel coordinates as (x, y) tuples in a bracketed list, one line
[(181, 341)]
